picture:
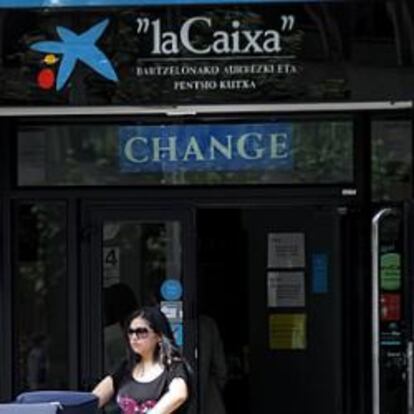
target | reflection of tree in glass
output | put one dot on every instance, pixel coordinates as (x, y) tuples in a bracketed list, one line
[(390, 174), (89, 156), (155, 247), (45, 271), (40, 286), (323, 151), (154, 257)]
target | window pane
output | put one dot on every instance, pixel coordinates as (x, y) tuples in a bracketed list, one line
[(208, 154), (40, 293), (138, 258), (391, 159)]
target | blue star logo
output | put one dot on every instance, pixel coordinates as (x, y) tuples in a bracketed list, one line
[(82, 47)]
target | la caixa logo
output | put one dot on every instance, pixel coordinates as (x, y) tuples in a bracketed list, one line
[(62, 56)]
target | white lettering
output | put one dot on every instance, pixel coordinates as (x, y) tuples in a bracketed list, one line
[(248, 146), (169, 43), (233, 41), (185, 35), (256, 153), (278, 146), (129, 150), (193, 150), (252, 38), (156, 50), (272, 42), (170, 149), (225, 150), (221, 43)]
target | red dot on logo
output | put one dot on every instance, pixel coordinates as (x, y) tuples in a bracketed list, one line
[(46, 78)]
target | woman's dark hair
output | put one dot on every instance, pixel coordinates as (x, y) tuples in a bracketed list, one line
[(167, 350)]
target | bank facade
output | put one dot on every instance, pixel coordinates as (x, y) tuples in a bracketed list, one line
[(248, 164)]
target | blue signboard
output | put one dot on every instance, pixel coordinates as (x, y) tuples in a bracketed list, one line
[(320, 273), (219, 147), (93, 3)]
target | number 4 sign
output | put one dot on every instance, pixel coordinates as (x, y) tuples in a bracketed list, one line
[(111, 257)]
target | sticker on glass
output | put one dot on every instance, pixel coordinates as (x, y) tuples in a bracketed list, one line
[(171, 289)]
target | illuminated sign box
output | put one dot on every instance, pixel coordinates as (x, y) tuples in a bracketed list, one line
[(223, 147), (274, 52), (93, 3)]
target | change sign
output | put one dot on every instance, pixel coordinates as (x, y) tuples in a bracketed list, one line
[(223, 147)]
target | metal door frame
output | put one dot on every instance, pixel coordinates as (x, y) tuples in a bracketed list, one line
[(93, 214)]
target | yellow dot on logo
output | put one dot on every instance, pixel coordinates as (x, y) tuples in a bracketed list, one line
[(50, 59)]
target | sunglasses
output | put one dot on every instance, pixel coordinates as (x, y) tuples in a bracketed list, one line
[(140, 333)]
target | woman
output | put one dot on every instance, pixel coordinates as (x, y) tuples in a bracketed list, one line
[(154, 378)]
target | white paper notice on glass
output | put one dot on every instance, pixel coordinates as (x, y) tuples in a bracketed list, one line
[(111, 265), (285, 289), (285, 250)]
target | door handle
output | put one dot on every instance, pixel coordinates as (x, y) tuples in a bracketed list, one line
[(410, 391), (375, 224)]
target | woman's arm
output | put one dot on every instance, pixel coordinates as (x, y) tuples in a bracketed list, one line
[(175, 396), (104, 391)]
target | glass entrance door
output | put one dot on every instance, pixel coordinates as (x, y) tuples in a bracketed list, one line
[(276, 282), (392, 310), (296, 311), (270, 299), (135, 257)]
